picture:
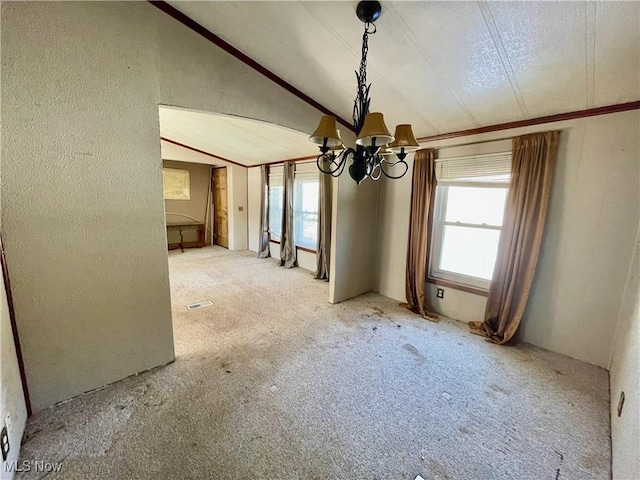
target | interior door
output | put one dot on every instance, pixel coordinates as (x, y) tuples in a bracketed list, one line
[(221, 215)]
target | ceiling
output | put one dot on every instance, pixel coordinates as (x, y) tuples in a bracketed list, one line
[(241, 140), (443, 66)]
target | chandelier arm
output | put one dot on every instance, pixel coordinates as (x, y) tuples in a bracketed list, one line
[(395, 177), (392, 164), (375, 172), (336, 163), (343, 162), (320, 161)]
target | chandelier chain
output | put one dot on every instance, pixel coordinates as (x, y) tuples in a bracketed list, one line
[(361, 104)]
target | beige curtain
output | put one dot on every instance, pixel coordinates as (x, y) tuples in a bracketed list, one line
[(423, 193), (263, 247), (287, 246), (534, 158), (324, 227)]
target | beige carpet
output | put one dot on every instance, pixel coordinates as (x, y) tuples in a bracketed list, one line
[(273, 382)]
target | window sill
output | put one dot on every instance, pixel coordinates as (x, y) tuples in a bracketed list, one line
[(458, 286), (304, 249)]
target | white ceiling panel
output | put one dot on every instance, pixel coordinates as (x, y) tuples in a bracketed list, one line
[(241, 140), (443, 66), (617, 53), (453, 38), (544, 44)]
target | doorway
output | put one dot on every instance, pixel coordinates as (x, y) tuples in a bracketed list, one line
[(220, 206)]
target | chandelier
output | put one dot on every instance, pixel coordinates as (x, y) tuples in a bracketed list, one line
[(375, 146)]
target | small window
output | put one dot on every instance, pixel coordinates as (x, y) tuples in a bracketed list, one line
[(176, 184), (306, 194), (275, 206), (468, 217)]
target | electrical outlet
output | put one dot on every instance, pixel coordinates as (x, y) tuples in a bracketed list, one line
[(4, 443), (241, 209), (620, 403), (440, 293)]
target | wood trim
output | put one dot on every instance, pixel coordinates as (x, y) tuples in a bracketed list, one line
[(620, 107), (203, 152), (230, 49), (295, 160), (218, 157), (457, 286), (14, 328)]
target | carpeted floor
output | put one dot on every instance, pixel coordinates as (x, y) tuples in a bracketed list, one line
[(273, 382)]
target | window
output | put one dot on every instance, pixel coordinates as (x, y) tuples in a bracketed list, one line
[(306, 191), (470, 199), (275, 205)]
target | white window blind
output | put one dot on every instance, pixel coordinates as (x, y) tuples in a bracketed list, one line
[(495, 167)]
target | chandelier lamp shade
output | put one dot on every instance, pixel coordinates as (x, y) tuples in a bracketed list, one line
[(376, 152)]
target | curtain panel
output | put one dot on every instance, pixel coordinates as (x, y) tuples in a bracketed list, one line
[(287, 246), (534, 159), (263, 246), (423, 192), (323, 254)]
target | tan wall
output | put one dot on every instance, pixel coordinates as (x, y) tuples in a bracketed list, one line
[(588, 244), (625, 377), (83, 211), (192, 210), (353, 236), (237, 188)]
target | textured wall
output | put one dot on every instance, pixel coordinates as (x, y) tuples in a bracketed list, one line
[(82, 194), (625, 365), (591, 227), (81, 183)]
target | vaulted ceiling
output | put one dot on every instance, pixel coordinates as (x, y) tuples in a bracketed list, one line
[(443, 66), (240, 140)]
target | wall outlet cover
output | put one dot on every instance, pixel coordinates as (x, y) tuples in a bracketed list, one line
[(440, 293)]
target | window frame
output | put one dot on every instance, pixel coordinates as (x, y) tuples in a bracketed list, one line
[(275, 237), (444, 277), (301, 177)]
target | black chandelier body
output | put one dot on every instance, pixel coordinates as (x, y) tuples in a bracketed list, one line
[(375, 146)]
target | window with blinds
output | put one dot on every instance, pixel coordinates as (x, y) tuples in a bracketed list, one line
[(470, 198), (481, 168)]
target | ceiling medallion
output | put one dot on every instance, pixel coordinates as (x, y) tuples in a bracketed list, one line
[(375, 146)]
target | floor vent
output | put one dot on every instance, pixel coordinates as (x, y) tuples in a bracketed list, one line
[(193, 306)]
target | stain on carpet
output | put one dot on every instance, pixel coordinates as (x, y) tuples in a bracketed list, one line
[(410, 348)]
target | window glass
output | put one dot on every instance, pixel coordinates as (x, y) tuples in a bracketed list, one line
[(467, 222), (475, 205), (305, 209), (469, 251), (275, 205)]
